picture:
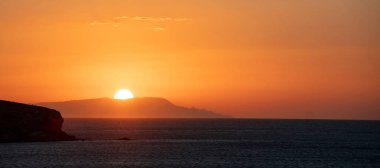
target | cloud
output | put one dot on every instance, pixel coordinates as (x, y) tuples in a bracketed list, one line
[(121, 17), (150, 19), (143, 18), (114, 24), (181, 19), (99, 23), (118, 20), (159, 29)]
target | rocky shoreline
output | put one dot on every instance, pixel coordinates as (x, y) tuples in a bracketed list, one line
[(28, 123)]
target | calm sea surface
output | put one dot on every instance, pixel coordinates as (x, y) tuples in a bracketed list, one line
[(176, 143)]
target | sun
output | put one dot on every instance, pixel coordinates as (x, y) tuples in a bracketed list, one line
[(123, 94)]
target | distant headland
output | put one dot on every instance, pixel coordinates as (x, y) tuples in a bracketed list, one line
[(146, 107)]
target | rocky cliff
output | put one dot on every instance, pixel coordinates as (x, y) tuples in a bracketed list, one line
[(26, 123)]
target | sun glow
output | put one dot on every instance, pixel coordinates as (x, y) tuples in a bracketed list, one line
[(123, 94)]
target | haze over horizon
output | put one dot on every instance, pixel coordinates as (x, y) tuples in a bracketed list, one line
[(243, 58)]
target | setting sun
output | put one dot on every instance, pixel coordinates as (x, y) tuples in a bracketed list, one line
[(174, 83), (123, 94)]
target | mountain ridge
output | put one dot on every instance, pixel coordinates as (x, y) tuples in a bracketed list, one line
[(140, 107)]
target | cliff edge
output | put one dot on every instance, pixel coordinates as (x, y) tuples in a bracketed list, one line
[(28, 123)]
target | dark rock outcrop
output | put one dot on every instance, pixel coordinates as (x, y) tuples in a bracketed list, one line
[(124, 139), (28, 123)]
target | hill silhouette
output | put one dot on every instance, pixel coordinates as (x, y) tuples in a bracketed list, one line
[(147, 107), (25, 123)]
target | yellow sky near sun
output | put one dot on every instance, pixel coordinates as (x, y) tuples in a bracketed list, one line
[(246, 58)]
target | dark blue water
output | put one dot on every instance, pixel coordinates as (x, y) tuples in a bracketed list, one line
[(204, 143)]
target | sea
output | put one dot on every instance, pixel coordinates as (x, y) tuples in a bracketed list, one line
[(203, 143)]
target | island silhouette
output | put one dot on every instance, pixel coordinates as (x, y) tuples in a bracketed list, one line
[(144, 107)]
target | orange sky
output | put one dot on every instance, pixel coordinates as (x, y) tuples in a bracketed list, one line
[(244, 58)]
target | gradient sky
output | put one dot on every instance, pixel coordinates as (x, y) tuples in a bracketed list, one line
[(243, 58)]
